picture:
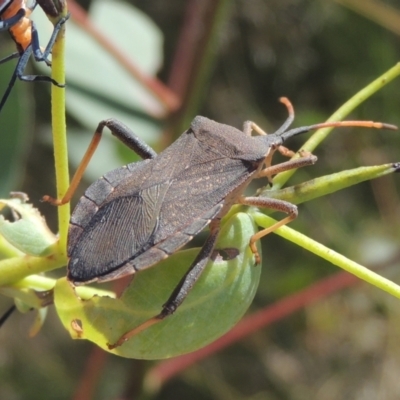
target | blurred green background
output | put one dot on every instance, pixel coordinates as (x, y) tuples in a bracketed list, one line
[(231, 61)]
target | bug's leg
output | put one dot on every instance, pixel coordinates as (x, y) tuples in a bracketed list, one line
[(121, 132), (182, 289), (304, 160), (7, 314), (49, 8), (269, 171), (286, 152), (249, 126), (4, 25), (39, 56), (12, 80), (18, 73), (274, 204), (37, 52), (10, 57), (10, 22), (21, 65)]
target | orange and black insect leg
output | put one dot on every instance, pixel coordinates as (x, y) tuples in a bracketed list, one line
[(274, 204), (9, 57), (121, 132), (7, 314), (304, 160), (37, 52), (8, 23), (22, 63), (182, 289), (23, 60)]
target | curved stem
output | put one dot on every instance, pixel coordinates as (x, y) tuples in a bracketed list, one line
[(341, 113), (330, 255), (59, 135)]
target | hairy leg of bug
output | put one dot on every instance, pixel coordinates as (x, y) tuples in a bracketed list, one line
[(39, 56), (18, 73), (286, 152), (37, 52), (274, 204), (10, 57), (21, 65), (10, 85), (306, 158), (7, 314), (10, 22), (271, 170), (22, 62), (250, 126), (48, 7), (182, 289), (121, 132)]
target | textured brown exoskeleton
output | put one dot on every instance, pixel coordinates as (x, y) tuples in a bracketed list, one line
[(139, 214)]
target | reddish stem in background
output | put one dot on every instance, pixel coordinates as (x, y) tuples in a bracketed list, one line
[(166, 96), (91, 375), (193, 58), (189, 47)]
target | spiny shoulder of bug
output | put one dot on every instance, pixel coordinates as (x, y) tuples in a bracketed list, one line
[(234, 143)]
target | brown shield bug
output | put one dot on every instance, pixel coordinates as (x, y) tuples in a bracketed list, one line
[(139, 214)]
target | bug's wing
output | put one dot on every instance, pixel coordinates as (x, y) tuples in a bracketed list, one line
[(120, 230), (198, 189)]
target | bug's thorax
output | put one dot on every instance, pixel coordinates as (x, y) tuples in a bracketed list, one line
[(230, 142), (20, 32), (9, 8)]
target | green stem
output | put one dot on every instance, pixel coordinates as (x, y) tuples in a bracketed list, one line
[(42, 283), (340, 114), (17, 268), (60, 136), (7, 250), (330, 255), (328, 184)]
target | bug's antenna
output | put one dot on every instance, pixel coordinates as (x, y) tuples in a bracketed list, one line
[(284, 134), (338, 124), (289, 119)]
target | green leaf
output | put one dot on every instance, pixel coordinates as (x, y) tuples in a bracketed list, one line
[(328, 184), (98, 86), (29, 233), (216, 303)]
